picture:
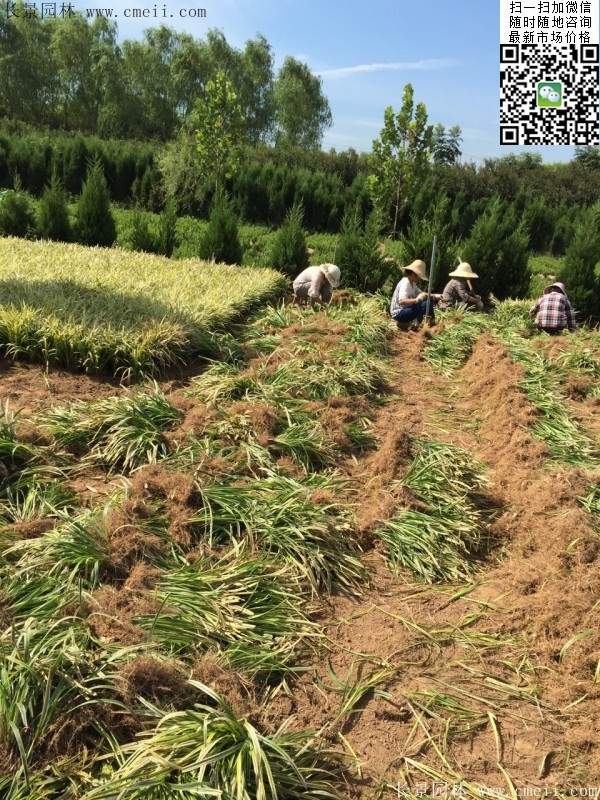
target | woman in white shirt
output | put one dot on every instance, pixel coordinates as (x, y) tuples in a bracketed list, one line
[(409, 303)]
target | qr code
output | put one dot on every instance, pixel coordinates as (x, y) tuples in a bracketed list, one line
[(549, 94)]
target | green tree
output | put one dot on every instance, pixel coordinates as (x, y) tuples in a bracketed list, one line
[(446, 145), (166, 237), (52, 213), (139, 236), (221, 241), (588, 157), (95, 222), (302, 112), (400, 157), (219, 132), (581, 270), (498, 251), (359, 257), (289, 252), (417, 241), (16, 217)]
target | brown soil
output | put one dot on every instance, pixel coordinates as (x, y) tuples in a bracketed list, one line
[(263, 418), (112, 610), (33, 528), (160, 680), (127, 539), (174, 492), (536, 590), (29, 388), (536, 594)]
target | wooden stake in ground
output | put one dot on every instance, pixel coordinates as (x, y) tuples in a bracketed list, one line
[(431, 269)]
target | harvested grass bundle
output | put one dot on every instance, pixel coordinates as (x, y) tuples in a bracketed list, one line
[(207, 751), (439, 542), (73, 552), (312, 378), (235, 600), (118, 432), (566, 440), (282, 517), (47, 673)]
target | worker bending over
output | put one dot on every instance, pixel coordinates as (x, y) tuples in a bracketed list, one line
[(316, 284)]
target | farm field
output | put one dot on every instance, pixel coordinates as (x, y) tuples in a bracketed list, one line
[(339, 561), (108, 310)]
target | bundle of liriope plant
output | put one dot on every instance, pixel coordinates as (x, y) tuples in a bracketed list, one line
[(315, 376), (514, 314), (236, 600), (121, 432), (297, 434), (299, 523), (15, 454), (450, 347), (591, 503), (367, 322), (580, 357), (566, 439), (77, 547), (439, 540), (34, 493), (109, 309), (207, 751), (48, 672)]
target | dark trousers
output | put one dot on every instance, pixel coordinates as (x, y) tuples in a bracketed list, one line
[(551, 331), (415, 311)]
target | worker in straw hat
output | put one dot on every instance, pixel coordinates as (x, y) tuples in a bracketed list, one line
[(459, 291), (553, 312), (316, 284), (409, 303)]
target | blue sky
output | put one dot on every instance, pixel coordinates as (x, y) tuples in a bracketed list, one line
[(366, 51)]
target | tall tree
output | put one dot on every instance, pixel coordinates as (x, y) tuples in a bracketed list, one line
[(447, 145), (400, 157), (148, 69), (302, 111), (588, 157), (28, 81), (219, 131)]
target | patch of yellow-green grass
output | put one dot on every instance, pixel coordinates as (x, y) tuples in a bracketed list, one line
[(109, 310)]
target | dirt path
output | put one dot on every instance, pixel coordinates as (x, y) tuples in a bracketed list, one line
[(497, 649)]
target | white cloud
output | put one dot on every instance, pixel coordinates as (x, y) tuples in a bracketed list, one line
[(389, 66)]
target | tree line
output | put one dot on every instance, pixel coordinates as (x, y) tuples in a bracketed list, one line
[(73, 74)]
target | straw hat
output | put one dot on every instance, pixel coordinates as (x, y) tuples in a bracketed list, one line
[(419, 268), (464, 271), (557, 285), (333, 274)]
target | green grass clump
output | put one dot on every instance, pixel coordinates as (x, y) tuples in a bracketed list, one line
[(281, 516), (440, 541), (581, 358), (308, 378), (123, 432), (108, 310), (48, 673), (566, 439), (207, 751), (237, 600)]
